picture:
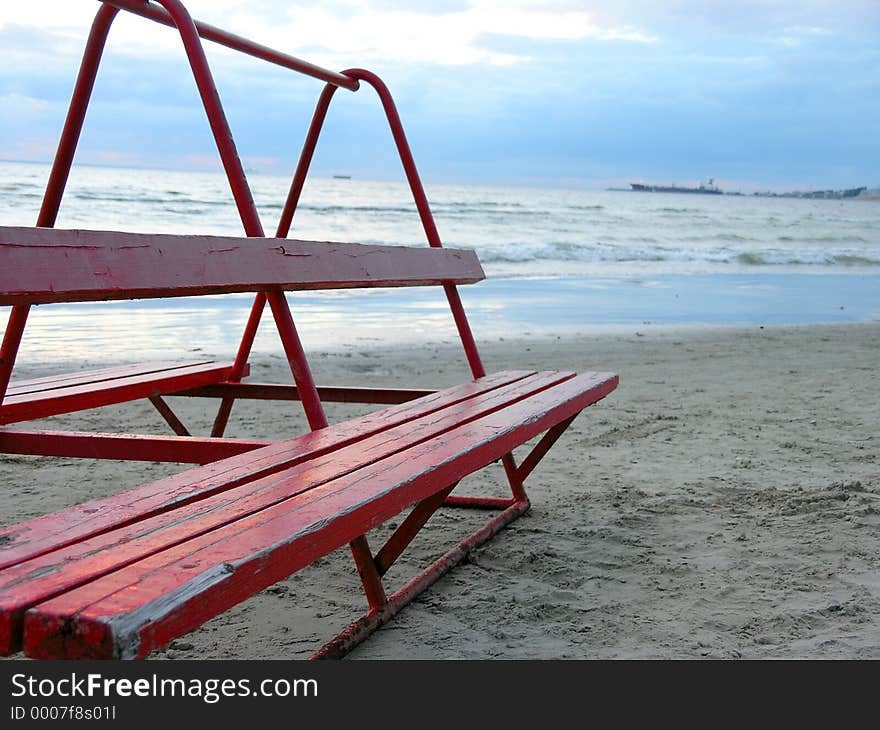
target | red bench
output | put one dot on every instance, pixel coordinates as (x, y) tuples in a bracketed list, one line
[(119, 577), (45, 265), (122, 576), (27, 400)]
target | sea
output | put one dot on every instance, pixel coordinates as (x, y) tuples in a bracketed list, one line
[(558, 262)]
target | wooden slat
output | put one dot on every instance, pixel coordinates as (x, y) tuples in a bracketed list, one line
[(27, 583), (132, 611), (84, 377), (327, 393), (38, 536), (39, 265), (82, 395), (125, 447)]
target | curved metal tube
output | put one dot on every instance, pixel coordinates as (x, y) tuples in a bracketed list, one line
[(59, 174), (415, 184), (237, 43)]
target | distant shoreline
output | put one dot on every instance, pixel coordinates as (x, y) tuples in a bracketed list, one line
[(857, 193)]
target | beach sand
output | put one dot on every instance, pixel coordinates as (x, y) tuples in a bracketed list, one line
[(723, 502)]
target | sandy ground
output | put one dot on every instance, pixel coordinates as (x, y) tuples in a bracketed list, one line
[(723, 502)]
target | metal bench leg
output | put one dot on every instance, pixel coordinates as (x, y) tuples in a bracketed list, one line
[(408, 529), (170, 416), (366, 567), (383, 609), (541, 448), (241, 358), (59, 173), (516, 487), (11, 341), (516, 475), (415, 183), (368, 624), (513, 479)]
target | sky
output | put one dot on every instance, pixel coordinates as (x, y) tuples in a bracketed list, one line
[(760, 95)]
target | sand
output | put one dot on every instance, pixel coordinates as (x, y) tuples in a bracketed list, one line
[(723, 502)]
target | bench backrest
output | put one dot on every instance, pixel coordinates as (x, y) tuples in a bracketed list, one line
[(43, 265)]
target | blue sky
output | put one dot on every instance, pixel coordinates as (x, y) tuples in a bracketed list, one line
[(760, 95)]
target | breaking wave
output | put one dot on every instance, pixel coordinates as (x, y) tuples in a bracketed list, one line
[(603, 252)]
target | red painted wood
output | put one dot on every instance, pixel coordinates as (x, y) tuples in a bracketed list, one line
[(132, 611), (328, 393), (31, 581), (125, 447), (38, 536), (85, 377), (334, 506), (77, 396), (39, 265)]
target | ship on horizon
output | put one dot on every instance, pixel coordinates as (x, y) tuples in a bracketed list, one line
[(705, 188)]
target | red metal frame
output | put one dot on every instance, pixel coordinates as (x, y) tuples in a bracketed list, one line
[(371, 568), (415, 184), (173, 13), (376, 618)]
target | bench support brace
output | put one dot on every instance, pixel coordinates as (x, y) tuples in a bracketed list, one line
[(170, 417), (541, 448), (408, 529), (366, 567), (376, 618), (383, 608)]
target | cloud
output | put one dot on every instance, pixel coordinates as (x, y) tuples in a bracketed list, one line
[(511, 89), (354, 32), (21, 107), (744, 17), (797, 36)]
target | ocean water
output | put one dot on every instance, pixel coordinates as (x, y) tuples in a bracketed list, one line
[(556, 260)]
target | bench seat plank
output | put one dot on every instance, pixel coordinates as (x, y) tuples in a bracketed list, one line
[(42, 265), (140, 607), (125, 446), (40, 535), (35, 580), (327, 393), (84, 377), (31, 399)]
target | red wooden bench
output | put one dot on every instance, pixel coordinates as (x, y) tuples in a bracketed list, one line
[(121, 576)]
